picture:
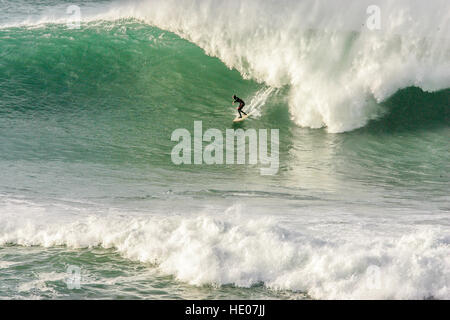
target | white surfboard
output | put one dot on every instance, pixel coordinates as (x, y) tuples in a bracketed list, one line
[(243, 118)]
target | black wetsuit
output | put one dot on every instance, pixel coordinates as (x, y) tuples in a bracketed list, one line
[(241, 105)]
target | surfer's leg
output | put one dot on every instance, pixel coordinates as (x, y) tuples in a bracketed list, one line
[(241, 106)]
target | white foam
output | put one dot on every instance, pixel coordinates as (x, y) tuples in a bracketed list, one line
[(233, 248)]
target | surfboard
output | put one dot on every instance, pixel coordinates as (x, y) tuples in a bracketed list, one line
[(237, 119)]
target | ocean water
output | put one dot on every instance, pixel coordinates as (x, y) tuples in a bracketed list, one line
[(360, 207)]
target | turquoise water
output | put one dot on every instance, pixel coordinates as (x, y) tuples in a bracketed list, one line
[(86, 117)]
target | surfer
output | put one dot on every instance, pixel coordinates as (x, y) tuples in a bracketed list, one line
[(241, 105)]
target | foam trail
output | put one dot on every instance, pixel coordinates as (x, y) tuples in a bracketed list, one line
[(259, 100)]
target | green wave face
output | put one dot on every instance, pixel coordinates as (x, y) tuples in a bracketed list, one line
[(119, 89), (114, 92)]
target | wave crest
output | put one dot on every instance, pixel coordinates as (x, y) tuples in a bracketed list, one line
[(338, 71)]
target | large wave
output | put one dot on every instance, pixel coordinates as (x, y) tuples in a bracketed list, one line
[(337, 69), (245, 250)]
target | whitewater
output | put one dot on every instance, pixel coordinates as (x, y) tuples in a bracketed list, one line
[(359, 209), (243, 251)]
